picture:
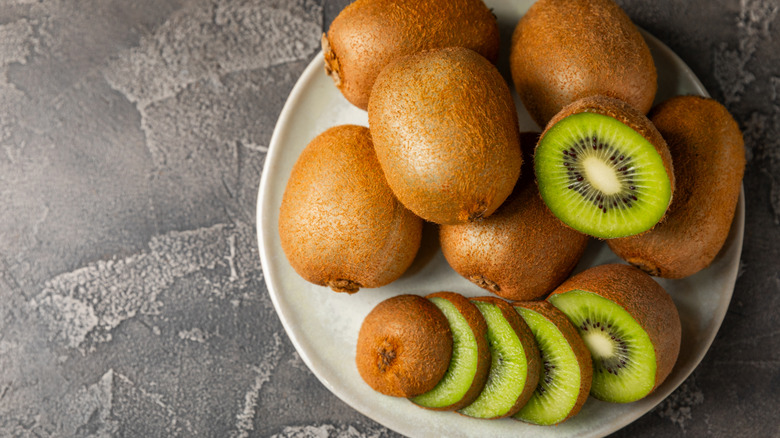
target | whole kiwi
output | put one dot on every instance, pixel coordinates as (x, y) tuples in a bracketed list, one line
[(404, 346), (563, 50), (339, 223), (709, 161), (521, 252), (368, 34), (445, 130)]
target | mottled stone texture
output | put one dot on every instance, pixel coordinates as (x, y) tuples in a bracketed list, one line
[(132, 137)]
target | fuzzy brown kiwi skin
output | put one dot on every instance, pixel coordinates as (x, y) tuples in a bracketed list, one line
[(521, 252), (339, 223), (629, 116), (445, 130), (709, 162), (530, 349), (643, 298), (404, 346), (476, 321), (368, 34), (576, 343), (564, 50)]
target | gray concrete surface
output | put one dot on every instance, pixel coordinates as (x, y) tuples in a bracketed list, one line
[(132, 138)]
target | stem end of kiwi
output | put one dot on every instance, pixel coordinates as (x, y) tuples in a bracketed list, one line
[(484, 283), (475, 213), (332, 66), (645, 265), (346, 286)]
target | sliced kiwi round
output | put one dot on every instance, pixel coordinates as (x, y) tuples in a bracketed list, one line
[(515, 364), (565, 381), (630, 325), (470, 361), (603, 169)]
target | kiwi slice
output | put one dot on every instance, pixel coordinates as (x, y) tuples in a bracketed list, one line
[(603, 169), (404, 346), (515, 364), (567, 370), (630, 325), (470, 361)]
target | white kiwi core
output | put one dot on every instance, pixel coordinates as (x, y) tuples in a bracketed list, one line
[(601, 175), (599, 344)]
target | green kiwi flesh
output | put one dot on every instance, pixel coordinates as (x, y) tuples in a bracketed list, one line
[(601, 177), (561, 390), (464, 364), (624, 361), (508, 371)]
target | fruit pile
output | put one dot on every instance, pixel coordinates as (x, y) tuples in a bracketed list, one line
[(610, 331), (515, 210)]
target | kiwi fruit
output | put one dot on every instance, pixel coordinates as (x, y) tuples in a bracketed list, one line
[(368, 34), (564, 50), (630, 325), (520, 252), (709, 161), (567, 370), (404, 346), (339, 223), (604, 169), (470, 363), (515, 364), (446, 134)]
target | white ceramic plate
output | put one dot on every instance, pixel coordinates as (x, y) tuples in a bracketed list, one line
[(323, 325)]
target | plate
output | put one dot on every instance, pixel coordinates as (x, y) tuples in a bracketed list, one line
[(323, 325)]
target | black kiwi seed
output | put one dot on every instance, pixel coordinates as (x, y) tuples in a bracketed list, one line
[(547, 376)]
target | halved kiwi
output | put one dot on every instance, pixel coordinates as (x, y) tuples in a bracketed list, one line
[(603, 168), (630, 325), (515, 364), (470, 361), (567, 371), (404, 346)]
